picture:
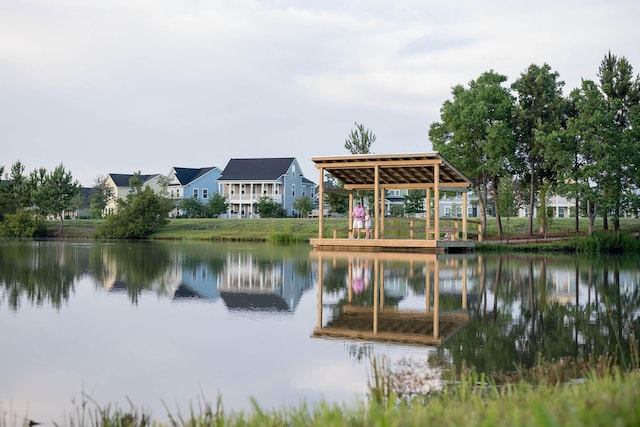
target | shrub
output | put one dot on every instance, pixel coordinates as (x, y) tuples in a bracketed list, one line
[(22, 224)]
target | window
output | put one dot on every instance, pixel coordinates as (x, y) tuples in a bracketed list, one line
[(447, 211), (205, 193), (195, 193), (293, 189)]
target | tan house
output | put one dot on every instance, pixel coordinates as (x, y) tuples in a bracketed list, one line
[(119, 188)]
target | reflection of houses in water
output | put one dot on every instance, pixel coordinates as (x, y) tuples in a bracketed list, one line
[(374, 315), (248, 282), (197, 281)]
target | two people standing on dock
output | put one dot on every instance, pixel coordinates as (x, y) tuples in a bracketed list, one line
[(361, 220), (358, 220)]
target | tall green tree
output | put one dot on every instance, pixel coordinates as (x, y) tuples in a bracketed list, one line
[(578, 173), (475, 134), (18, 189), (620, 146), (136, 182), (336, 196), (192, 208), (57, 193), (414, 202), (304, 205), (100, 196), (4, 206), (539, 112), (359, 140), (218, 204), (269, 208)]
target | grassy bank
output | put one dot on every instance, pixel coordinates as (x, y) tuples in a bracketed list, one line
[(302, 229), (598, 399)]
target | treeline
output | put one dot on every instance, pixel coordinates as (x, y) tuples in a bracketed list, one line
[(25, 200), (522, 143)]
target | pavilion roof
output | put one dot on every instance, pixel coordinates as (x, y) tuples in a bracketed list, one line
[(395, 171)]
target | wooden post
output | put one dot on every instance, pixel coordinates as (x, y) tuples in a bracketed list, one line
[(376, 203), (350, 225), (428, 213), (436, 200), (381, 214), (464, 215), (321, 206)]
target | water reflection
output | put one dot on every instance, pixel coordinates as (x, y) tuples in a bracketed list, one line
[(246, 278), (365, 291), (494, 312), (551, 307), (491, 311)]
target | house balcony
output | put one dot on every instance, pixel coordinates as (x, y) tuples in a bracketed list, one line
[(252, 197)]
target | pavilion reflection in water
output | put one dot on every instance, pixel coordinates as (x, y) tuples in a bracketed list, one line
[(371, 289)]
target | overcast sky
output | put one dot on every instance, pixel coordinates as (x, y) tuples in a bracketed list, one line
[(117, 86)]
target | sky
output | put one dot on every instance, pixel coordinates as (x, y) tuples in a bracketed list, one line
[(120, 86)]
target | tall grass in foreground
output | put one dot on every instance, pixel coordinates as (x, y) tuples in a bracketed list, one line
[(547, 395)]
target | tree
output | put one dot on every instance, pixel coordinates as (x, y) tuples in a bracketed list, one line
[(138, 216), (99, 198), (18, 192), (136, 182), (192, 208), (620, 146), (539, 110), (4, 202), (57, 192), (336, 196), (475, 134), (304, 205), (360, 140), (269, 208), (414, 202), (218, 204)]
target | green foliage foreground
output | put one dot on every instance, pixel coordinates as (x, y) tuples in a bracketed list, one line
[(597, 400)]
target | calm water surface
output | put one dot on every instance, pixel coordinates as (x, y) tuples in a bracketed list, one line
[(165, 324)]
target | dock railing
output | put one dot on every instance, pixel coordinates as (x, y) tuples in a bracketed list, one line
[(415, 228)]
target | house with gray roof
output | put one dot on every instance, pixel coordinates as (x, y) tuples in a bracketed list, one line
[(245, 181), (119, 188), (197, 183)]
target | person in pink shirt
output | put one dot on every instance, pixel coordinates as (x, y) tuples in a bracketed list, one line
[(358, 220)]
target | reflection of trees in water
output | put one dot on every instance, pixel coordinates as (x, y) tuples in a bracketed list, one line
[(135, 266), (39, 272), (45, 272), (525, 321)]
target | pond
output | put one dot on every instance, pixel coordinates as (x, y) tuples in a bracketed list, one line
[(166, 325)]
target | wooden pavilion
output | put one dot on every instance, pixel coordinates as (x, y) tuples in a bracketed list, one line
[(380, 172)]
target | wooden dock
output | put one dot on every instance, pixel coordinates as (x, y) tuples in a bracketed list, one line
[(393, 245)]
